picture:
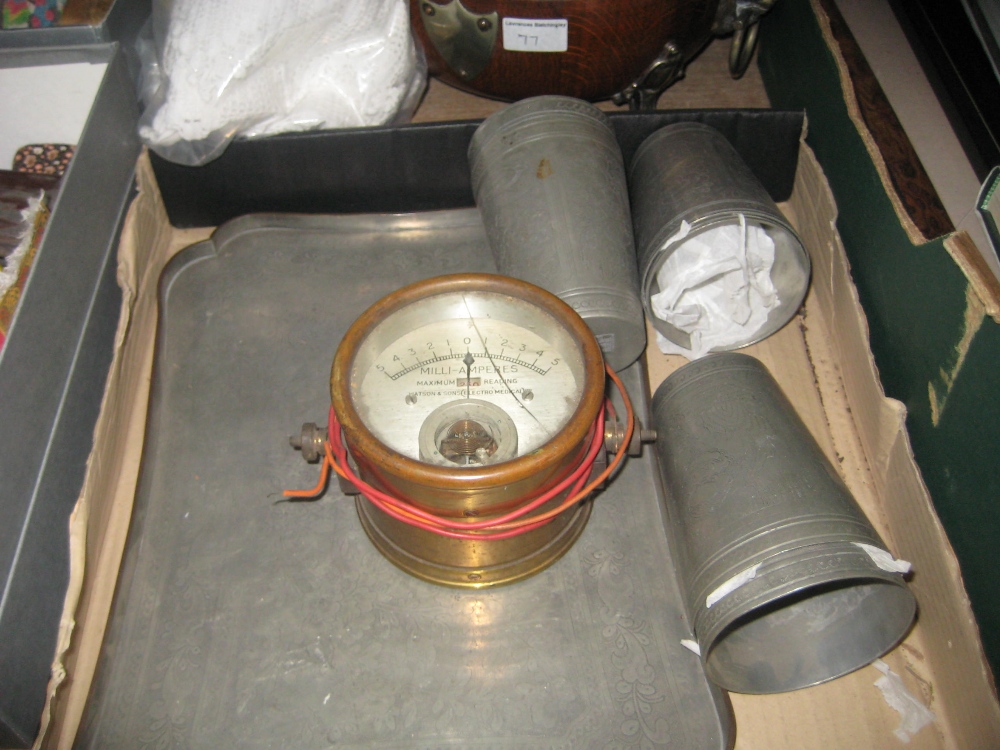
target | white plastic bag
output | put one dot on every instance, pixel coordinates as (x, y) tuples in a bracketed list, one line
[(221, 68)]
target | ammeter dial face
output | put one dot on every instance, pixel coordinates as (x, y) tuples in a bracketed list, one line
[(467, 378)]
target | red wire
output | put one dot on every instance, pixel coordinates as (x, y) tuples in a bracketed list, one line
[(376, 495), (611, 467), (502, 527)]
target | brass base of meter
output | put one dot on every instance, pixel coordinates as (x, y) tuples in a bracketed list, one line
[(470, 563)]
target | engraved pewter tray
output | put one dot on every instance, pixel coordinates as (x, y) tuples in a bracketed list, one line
[(244, 621)]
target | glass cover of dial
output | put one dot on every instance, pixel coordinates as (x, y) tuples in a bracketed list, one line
[(482, 346)]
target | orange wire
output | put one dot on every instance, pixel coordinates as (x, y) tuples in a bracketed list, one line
[(329, 462), (323, 476), (336, 467)]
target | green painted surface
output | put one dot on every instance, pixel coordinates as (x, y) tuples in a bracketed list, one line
[(915, 301)]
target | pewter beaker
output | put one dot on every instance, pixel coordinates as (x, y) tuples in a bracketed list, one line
[(787, 583), (686, 179), (549, 180)]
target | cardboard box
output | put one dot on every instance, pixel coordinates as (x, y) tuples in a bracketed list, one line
[(821, 359), (932, 302)]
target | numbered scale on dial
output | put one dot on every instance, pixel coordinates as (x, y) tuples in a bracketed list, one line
[(490, 379)]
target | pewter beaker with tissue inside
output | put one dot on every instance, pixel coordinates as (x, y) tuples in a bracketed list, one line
[(549, 180), (719, 265), (787, 583)]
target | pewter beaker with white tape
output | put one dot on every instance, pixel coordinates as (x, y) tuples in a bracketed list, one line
[(787, 582), (720, 267), (549, 180)]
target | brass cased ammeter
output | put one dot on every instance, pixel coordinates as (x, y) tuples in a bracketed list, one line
[(464, 398)]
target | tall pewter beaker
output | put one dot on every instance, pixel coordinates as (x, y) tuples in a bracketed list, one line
[(687, 180), (549, 180), (787, 582)]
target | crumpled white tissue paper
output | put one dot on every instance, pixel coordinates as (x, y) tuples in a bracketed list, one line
[(716, 287)]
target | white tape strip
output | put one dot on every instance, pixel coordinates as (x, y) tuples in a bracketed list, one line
[(691, 646), (740, 579), (913, 714), (884, 559)]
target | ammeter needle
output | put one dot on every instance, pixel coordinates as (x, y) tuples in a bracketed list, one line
[(468, 373)]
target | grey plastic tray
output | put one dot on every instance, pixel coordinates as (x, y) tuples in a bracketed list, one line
[(241, 621), (53, 368)]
